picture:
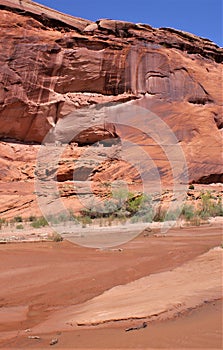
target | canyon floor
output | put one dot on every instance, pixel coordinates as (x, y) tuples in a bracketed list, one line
[(88, 298)]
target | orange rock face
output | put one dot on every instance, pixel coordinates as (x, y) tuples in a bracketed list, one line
[(53, 66)]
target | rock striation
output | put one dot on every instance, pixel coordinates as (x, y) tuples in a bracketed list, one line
[(53, 65)]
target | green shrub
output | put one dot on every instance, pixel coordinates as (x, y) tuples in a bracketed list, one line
[(58, 218), (56, 237), (162, 215), (72, 216), (135, 219), (18, 219), (85, 220), (19, 227), (32, 218), (63, 217), (159, 215), (120, 195), (2, 222), (133, 203), (147, 217), (123, 204), (218, 208), (40, 222), (141, 207), (188, 212), (209, 207), (109, 208), (191, 187), (195, 221), (172, 215), (93, 210)]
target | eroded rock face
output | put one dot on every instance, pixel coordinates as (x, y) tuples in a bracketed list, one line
[(43, 69), (52, 65)]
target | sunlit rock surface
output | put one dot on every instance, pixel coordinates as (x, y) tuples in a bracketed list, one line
[(53, 65)]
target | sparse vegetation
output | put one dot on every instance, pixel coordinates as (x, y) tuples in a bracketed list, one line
[(206, 208), (159, 215), (19, 227), (172, 215), (18, 219), (32, 218), (141, 208), (39, 222), (196, 221), (209, 207), (85, 220), (2, 222), (56, 237), (162, 215), (72, 216), (123, 206), (188, 212)]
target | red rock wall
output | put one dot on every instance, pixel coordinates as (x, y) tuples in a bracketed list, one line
[(52, 64)]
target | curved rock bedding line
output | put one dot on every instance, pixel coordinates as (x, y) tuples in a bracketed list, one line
[(168, 292)]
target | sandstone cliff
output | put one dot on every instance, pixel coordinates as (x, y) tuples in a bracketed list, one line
[(53, 66)]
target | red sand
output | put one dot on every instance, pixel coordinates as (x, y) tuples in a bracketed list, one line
[(40, 279)]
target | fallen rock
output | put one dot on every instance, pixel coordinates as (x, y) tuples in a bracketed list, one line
[(143, 325), (147, 231), (54, 341), (33, 337)]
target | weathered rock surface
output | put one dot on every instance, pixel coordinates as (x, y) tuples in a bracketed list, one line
[(148, 298), (53, 65)]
